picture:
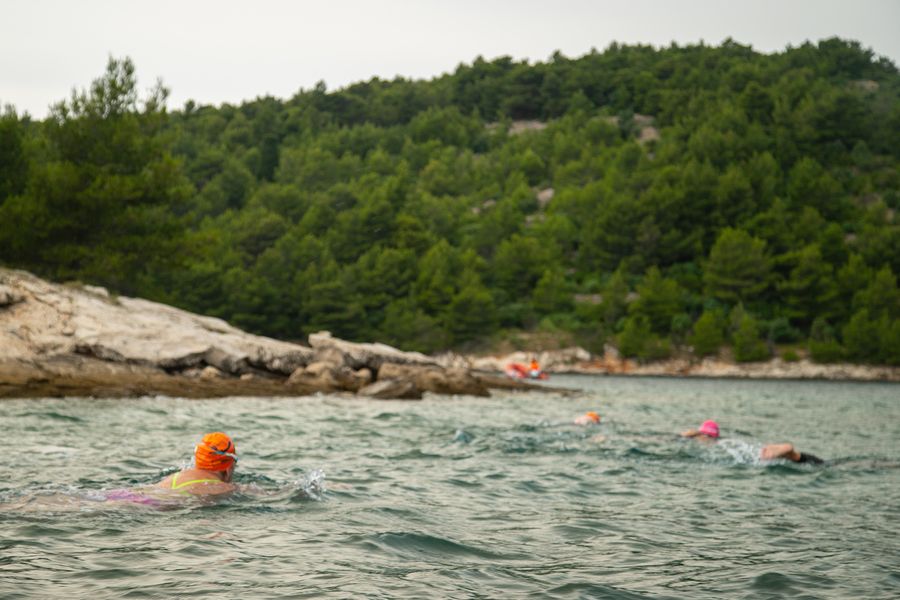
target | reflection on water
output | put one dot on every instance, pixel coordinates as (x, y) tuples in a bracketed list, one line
[(460, 497)]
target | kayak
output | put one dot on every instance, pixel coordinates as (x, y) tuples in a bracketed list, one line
[(521, 371)]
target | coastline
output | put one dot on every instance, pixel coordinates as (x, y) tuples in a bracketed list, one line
[(72, 340), (579, 361), (75, 340)]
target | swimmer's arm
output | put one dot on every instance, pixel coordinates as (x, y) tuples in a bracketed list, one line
[(776, 451), (690, 433)]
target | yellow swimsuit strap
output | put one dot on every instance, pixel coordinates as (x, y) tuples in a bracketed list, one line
[(176, 485)]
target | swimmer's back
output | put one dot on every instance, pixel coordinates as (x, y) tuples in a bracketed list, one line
[(197, 482)]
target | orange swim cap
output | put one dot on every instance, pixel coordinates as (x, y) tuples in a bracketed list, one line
[(593, 416), (215, 452)]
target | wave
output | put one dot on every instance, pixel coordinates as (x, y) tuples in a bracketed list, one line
[(415, 546), (53, 415)]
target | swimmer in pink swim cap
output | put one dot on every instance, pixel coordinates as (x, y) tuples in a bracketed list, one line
[(708, 431)]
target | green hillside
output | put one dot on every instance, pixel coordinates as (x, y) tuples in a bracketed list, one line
[(658, 199)]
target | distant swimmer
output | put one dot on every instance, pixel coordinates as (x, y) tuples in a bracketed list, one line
[(588, 418), (708, 431), (788, 452), (214, 460)]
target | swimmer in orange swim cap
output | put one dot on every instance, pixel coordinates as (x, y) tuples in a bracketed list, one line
[(214, 460), (588, 418)]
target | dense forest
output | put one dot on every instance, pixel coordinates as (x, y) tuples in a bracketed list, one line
[(673, 200)]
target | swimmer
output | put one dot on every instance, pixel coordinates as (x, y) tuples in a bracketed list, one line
[(788, 452), (708, 431), (588, 418), (214, 460)]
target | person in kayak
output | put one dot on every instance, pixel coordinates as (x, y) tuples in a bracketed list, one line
[(210, 475)]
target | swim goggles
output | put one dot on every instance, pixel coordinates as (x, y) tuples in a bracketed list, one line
[(218, 452)]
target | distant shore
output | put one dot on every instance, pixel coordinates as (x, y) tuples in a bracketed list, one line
[(579, 361)]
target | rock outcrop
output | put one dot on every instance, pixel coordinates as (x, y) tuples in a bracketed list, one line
[(436, 379), (551, 361), (392, 389), (64, 340), (358, 356), (51, 319)]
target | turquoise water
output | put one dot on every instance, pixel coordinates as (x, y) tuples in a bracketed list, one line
[(463, 497)]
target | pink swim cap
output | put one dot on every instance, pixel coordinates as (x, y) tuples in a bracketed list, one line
[(710, 428)]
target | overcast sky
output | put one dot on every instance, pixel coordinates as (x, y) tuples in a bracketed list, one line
[(215, 51)]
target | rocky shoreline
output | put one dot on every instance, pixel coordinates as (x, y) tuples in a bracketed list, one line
[(62, 340), (76, 340)]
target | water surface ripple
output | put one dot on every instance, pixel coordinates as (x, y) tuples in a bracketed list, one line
[(463, 497)]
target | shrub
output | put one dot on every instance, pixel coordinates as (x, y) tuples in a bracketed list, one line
[(829, 351), (638, 341), (861, 337), (560, 322), (656, 349), (747, 345), (708, 335), (790, 355), (781, 331), (516, 314), (821, 331), (681, 325), (635, 336), (890, 343)]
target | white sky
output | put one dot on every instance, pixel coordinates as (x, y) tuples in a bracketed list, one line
[(216, 51)]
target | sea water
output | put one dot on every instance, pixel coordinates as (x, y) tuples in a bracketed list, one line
[(462, 497)]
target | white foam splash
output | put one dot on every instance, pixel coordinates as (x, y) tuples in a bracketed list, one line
[(462, 436), (313, 484), (743, 453)]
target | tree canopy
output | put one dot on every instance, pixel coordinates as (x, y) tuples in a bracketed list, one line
[(639, 196)]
